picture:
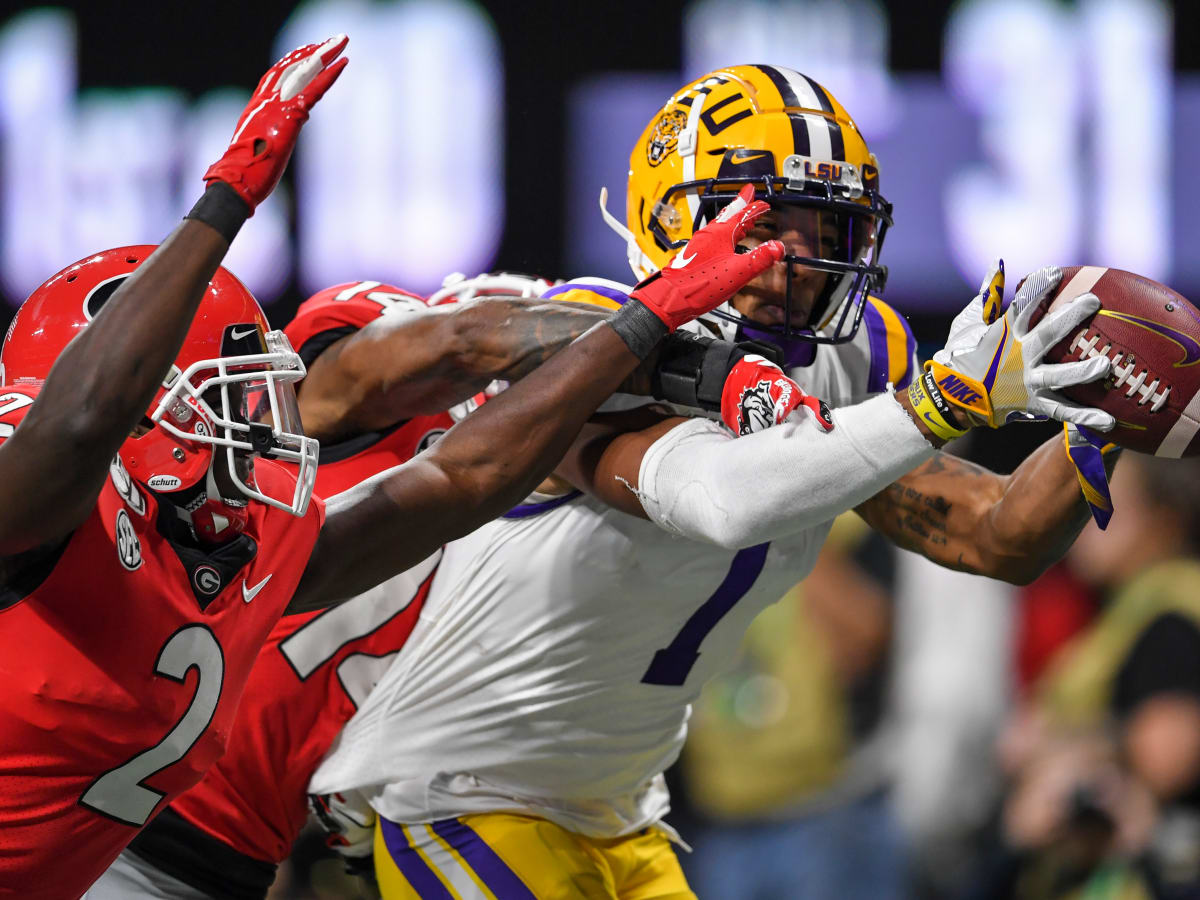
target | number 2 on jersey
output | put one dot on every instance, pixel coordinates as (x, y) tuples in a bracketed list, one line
[(119, 793), (671, 665), (8, 403)]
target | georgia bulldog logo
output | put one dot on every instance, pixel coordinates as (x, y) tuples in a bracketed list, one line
[(666, 135), (758, 407)]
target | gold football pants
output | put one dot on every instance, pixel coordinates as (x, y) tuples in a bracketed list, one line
[(500, 856)]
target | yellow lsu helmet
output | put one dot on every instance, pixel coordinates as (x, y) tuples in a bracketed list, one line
[(785, 134)]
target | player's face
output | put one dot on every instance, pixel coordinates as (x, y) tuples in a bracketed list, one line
[(243, 461), (804, 232)]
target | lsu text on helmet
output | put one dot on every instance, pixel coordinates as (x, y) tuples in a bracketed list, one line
[(231, 386), (788, 136)]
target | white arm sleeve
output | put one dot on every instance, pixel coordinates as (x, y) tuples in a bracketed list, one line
[(701, 482)]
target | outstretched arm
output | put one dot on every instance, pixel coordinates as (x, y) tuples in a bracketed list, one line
[(965, 517), (480, 468), (53, 466), (492, 459), (406, 365)]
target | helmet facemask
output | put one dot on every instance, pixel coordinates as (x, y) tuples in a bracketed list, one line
[(859, 219), (244, 402)]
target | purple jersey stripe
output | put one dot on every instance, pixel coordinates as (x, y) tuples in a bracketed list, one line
[(616, 296), (410, 863), (525, 510), (877, 336), (910, 349), (491, 869)]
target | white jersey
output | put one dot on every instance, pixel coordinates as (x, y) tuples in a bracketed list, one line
[(554, 665)]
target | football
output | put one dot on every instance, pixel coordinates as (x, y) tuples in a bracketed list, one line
[(1152, 336)]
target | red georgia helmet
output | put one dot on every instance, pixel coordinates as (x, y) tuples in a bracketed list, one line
[(230, 385)]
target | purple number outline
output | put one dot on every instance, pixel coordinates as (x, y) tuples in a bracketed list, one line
[(672, 664)]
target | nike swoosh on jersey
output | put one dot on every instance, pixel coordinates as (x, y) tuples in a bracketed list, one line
[(250, 594)]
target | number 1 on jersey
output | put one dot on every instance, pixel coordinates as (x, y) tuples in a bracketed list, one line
[(671, 665)]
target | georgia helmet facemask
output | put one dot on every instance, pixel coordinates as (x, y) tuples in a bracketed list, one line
[(788, 136), (229, 395), (457, 287)]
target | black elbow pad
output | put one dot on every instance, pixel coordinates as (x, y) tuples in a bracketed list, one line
[(692, 368)]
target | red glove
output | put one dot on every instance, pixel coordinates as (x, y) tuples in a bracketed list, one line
[(708, 271), (757, 395), (266, 133)]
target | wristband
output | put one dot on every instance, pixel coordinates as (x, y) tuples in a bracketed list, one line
[(221, 208), (929, 405), (638, 327)]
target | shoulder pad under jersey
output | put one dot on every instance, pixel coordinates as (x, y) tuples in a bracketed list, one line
[(891, 345), (595, 291), (351, 305)]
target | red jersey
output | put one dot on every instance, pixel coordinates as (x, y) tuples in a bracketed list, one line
[(123, 653), (315, 667)]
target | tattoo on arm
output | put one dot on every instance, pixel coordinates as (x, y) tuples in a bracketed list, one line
[(931, 510), (920, 514), (533, 339)]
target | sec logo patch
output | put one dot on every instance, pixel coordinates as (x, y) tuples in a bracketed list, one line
[(129, 548)]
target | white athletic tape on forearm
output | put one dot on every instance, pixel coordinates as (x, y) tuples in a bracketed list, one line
[(701, 482)]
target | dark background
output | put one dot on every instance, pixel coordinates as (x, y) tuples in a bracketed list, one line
[(547, 48)]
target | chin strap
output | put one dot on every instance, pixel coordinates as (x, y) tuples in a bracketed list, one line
[(212, 518), (639, 262)]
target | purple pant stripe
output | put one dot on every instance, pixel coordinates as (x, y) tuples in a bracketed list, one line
[(410, 864), (491, 869)]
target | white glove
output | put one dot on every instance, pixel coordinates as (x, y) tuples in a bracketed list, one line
[(992, 369), (348, 820)]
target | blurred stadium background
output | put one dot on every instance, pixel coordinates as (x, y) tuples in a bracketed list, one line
[(864, 722)]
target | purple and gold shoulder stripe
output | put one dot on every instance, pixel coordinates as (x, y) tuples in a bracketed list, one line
[(606, 295), (892, 347)]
